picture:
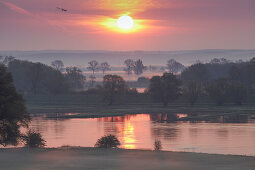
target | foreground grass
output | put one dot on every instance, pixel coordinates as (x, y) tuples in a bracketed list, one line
[(94, 158), (92, 106)]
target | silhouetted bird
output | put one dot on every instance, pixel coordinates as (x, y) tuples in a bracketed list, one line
[(62, 9)]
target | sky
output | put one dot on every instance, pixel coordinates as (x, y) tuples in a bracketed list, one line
[(158, 25)]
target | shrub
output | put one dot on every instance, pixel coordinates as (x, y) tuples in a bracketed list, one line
[(157, 145), (108, 141), (33, 140)]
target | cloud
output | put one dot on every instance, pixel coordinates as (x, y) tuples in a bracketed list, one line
[(15, 8)]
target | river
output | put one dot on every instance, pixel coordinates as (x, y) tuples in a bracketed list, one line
[(221, 136)]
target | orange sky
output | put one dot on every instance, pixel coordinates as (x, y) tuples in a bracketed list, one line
[(159, 24)]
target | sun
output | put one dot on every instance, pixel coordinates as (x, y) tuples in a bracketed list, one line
[(125, 22)]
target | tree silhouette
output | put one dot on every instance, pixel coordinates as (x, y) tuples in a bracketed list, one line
[(174, 66), (129, 66), (238, 92), (75, 77), (138, 67), (93, 66), (165, 88), (92, 80), (104, 67), (196, 72), (218, 90), (35, 72), (58, 65), (13, 114), (192, 92), (113, 88)]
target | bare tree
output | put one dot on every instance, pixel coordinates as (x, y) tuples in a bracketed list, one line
[(93, 66), (104, 67), (174, 66), (129, 66), (57, 64), (92, 80), (138, 67)]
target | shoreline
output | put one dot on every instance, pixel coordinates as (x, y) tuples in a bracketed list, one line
[(234, 117), (98, 158)]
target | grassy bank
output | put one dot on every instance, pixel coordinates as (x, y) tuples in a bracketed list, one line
[(93, 158), (90, 106)]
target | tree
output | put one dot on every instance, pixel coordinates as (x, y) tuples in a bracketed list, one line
[(104, 67), (253, 60), (33, 140), (192, 92), (58, 65), (35, 74), (138, 67), (219, 61), (243, 72), (6, 60), (13, 114), (113, 88), (75, 78), (197, 72), (129, 66), (92, 80), (238, 92), (93, 66), (55, 82), (174, 66), (165, 88), (37, 78), (218, 90), (143, 80), (108, 141)]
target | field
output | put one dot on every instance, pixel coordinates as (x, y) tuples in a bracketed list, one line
[(93, 106), (93, 158)]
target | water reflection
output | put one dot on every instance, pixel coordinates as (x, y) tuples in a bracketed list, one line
[(227, 134), (167, 117)]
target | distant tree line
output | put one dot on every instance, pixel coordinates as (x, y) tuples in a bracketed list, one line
[(220, 81), (38, 78)]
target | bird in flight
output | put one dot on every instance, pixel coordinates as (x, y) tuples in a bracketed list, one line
[(62, 9)]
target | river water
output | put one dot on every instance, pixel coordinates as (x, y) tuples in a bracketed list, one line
[(222, 135)]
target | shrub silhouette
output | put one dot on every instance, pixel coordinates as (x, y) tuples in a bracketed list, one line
[(157, 145), (108, 141), (33, 140)]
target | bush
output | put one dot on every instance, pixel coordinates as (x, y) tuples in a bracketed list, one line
[(33, 140), (157, 145), (108, 141)]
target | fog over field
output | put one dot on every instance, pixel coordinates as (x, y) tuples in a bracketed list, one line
[(116, 58)]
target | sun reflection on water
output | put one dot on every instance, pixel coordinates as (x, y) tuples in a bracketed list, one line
[(128, 136)]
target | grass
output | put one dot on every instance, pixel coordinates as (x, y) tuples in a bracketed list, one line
[(97, 158), (93, 106)]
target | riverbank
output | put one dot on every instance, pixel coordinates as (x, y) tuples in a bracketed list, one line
[(94, 107), (94, 158)]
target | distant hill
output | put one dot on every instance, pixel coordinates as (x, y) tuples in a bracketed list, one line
[(116, 58)]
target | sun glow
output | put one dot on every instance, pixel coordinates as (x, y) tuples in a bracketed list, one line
[(125, 22)]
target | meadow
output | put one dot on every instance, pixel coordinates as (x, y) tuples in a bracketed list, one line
[(94, 158), (93, 106)]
